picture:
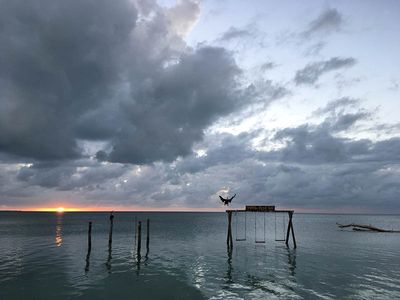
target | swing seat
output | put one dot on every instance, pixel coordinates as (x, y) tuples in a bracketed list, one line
[(260, 242), (240, 240), (284, 240)]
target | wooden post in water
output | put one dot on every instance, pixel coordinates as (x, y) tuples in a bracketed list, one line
[(90, 238), (139, 244), (111, 230), (135, 232), (148, 236), (229, 240), (291, 225), (89, 247), (290, 228)]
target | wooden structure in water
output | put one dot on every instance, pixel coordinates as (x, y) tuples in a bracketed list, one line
[(260, 209)]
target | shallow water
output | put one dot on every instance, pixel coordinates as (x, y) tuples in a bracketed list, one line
[(43, 256)]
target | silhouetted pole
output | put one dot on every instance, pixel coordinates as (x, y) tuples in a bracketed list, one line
[(229, 240), (89, 247), (139, 244), (111, 230), (90, 237), (290, 228), (148, 236), (135, 232), (291, 225)]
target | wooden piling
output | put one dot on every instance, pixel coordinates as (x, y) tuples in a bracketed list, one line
[(111, 230), (135, 232), (290, 228), (148, 236), (229, 239), (139, 244), (89, 247), (90, 237)]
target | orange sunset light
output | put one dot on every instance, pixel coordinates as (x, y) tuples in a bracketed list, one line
[(59, 209)]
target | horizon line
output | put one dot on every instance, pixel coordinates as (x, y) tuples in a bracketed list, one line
[(183, 211)]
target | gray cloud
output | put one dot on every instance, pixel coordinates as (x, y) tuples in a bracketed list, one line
[(68, 176), (268, 66), (313, 169), (335, 105), (235, 33), (101, 71), (328, 21), (312, 72), (315, 49)]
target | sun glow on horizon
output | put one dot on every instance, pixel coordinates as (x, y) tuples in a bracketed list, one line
[(59, 209)]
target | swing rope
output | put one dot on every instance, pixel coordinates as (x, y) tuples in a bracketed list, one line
[(255, 229), (284, 229), (245, 230)]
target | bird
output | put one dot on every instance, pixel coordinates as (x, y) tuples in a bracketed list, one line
[(227, 200)]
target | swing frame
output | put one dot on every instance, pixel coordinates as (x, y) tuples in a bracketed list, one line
[(264, 209)]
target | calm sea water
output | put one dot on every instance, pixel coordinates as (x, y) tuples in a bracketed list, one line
[(43, 256)]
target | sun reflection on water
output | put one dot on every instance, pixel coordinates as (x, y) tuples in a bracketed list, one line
[(58, 231)]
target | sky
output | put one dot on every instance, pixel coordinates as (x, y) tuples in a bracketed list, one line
[(164, 105)]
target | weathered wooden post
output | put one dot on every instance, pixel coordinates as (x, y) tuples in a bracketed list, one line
[(111, 230), (139, 244), (148, 236), (229, 240), (90, 238), (291, 225), (89, 247), (135, 231), (290, 228)]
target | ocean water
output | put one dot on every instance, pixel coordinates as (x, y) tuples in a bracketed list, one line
[(43, 256)]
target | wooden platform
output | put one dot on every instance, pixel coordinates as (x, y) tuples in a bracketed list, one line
[(261, 208)]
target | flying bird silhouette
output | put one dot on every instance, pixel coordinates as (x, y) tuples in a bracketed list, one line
[(227, 200)]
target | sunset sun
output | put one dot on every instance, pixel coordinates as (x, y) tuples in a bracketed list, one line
[(60, 209)]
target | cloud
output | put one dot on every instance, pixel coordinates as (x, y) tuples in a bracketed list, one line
[(235, 33), (268, 66), (69, 176), (328, 21), (118, 73), (315, 49), (312, 72), (183, 16), (335, 105)]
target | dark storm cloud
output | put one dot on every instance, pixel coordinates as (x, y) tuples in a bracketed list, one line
[(312, 72), (108, 71), (58, 59), (170, 115), (87, 174), (328, 21)]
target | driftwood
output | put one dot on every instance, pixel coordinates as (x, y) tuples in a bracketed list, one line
[(368, 228)]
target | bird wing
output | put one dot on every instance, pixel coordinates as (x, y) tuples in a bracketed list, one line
[(222, 199)]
